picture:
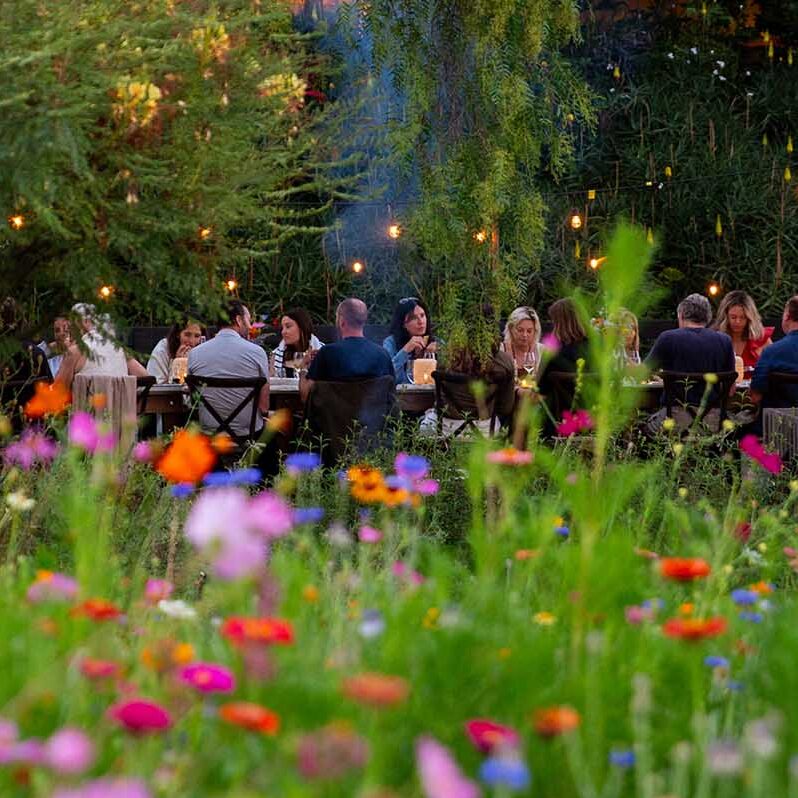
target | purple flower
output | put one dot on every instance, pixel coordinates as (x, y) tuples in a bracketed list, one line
[(69, 751), (368, 534), (33, 447), (157, 590), (411, 466), (142, 452), (51, 586), (84, 433), (550, 344), (439, 774), (308, 515), (302, 461), (106, 788), (270, 515), (638, 614), (426, 487), (24, 752)]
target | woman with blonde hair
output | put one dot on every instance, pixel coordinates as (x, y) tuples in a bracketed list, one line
[(629, 339), (740, 320), (522, 339)]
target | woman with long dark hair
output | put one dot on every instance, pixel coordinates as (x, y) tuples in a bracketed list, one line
[(411, 336), (182, 337), (296, 329)]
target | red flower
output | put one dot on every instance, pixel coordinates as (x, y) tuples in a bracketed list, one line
[(97, 609), (141, 717), (743, 531), (264, 631), (487, 735), (252, 717), (684, 569), (694, 628), (376, 689), (552, 721), (99, 668)]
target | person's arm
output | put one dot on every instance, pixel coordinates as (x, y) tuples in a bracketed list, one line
[(158, 364), (263, 368), (305, 387), (135, 369), (263, 400), (74, 360)]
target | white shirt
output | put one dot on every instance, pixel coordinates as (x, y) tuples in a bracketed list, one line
[(278, 356), (160, 364), (103, 357)]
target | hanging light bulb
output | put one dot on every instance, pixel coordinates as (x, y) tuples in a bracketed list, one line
[(591, 194), (575, 221), (480, 236), (106, 291), (358, 266), (17, 221), (594, 263), (713, 289), (204, 233), (231, 285), (394, 231)]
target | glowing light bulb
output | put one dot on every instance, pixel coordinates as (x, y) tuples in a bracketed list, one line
[(394, 231), (106, 291), (575, 221), (480, 236), (358, 266), (231, 285), (17, 221), (713, 289), (204, 233), (594, 263)]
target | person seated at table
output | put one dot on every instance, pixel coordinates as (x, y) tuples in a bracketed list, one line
[(353, 357), (180, 340), (522, 340), (740, 320), (782, 356), (231, 355), (410, 337), (57, 348), (98, 354), (629, 344), (296, 329), (571, 338)]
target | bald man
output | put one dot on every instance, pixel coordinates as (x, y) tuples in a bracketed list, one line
[(353, 357)]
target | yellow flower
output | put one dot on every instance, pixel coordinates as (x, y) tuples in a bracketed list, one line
[(683, 493), (728, 425), (431, 618), (544, 619), (505, 653), (678, 448), (794, 485), (763, 547), (710, 378), (668, 424), (310, 593), (183, 653)]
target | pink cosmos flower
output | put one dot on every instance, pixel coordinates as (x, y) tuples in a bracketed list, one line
[(32, 448), (84, 432), (637, 614), (69, 751), (51, 586), (208, 677), (426, 487), (140, 716), (439, 774), (270, 515), (401, 571), (23, 752), (157, 590), (106, 788), (550, 344), (770, 461), (142, 452), (573, 423), (368, 534)]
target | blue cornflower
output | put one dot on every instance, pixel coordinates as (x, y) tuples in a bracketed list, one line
[(398, 482), (622, 758), (716, 662), (562, 531), (182, 490), (505, 771), (224, 479), (372, 624), (411, 466), (734, 686), (308, 515), (754, 617), (653, 604), (744, 598), (302, 461)]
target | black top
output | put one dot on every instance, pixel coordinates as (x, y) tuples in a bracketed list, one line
[(350, 359), (564, 361)]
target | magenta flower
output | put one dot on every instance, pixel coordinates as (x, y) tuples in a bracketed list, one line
[(439, 774), (770, 461), (573, 423), (32, 448), (106, 788), (401, 571), (550, 344), (69, 751), (426, 487), (142, 452), (157, 590), (84, 432), (8, 732), (368, 534), (24, 752), (208, 677), (140, 716), (270, 515), (51, 586)]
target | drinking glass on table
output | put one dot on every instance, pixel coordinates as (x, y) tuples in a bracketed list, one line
[(529, 365), (297, 361)]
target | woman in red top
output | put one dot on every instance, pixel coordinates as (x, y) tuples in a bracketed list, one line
[(740, 320)]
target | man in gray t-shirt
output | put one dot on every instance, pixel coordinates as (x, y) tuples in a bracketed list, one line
[(231, 355)]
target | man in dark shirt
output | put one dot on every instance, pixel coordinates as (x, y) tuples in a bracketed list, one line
[(693, 348), (780, 356), (353, 357)]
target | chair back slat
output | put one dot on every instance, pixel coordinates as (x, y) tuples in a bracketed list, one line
[(196, 383), (716, 398), (455, 398)]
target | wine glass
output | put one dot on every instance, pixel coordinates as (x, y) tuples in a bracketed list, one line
[(530, 362), (297, 361)]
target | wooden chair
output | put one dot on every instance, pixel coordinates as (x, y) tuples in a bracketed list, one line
[(456, 399), (253, 386), (143, 385)]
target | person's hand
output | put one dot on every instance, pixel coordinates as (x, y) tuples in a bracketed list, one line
[(414, 345), (308, 359), (182, 351), (432, 346)]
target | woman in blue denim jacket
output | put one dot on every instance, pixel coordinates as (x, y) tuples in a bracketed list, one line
[(411, 337)]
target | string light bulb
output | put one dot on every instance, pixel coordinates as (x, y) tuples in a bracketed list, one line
[(575, 221), (594, 263), (231, 285), (106, 291), (713, 289), (480, 236), (394, 231), (358, 266), (204, 233), (17, 221)]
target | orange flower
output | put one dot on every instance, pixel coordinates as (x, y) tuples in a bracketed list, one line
[(49, 399), (376, 689), (99, 401), (686, 608), (97, 609), (263, 631), (510, 456), (762, 588), (222, 443), (552, 721), (527, 554), (252, 717), (368, 485), (684, 569), (393, 497), (280, 421), (694, 628), (188, 459)]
